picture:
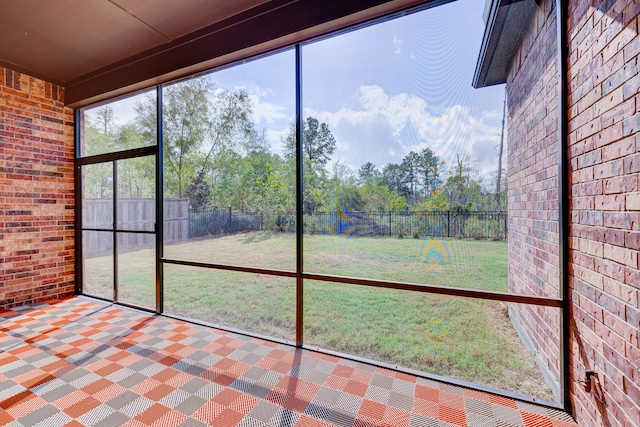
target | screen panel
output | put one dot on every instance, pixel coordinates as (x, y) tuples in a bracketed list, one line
[(137, 269), (256, 303), (136, 194), (97, 264), (229, 165), (466, 339), (119, 125), (97, 196)]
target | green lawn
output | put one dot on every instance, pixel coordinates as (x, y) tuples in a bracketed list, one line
[(442, 262), (457, 337)]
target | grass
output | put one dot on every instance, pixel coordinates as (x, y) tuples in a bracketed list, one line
[(440, 262), (463, 338)]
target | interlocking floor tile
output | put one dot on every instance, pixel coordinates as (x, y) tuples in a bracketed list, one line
[(79, 362)]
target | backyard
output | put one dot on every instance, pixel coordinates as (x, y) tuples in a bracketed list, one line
[(468, 339)]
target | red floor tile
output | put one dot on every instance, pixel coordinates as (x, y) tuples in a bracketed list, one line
[(140, 385), (82, 407), (152, 414), (452, 415)]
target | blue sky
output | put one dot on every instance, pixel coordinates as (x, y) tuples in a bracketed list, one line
[(384, 90)]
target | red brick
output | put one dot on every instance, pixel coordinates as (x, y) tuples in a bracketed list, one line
[(621, 184), (604, 204), (633, 201), (37, 169)]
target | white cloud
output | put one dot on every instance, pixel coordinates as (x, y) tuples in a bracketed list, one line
[(264, 112), (275, 138), (492, 115), (448, 132), (253, 88)]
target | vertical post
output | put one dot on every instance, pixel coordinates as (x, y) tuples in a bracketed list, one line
[(78, 202), (448, 224), (115, 227), (506, 217), (563, 201), (299, 202), (159, 203), (390, 224)]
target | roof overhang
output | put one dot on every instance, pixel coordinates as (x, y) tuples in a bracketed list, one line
[(507, 22), (100, 49), (270, 26)]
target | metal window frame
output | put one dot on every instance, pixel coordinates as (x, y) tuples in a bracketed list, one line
[(562, 303), (562, 15)]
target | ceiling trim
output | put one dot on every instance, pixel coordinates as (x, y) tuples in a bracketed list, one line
[(29, 72)]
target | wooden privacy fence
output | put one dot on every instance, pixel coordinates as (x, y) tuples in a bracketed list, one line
[(133, 215)]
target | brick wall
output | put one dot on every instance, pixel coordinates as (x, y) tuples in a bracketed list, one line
[(604, 179), (604, 153), (532, 99), (36, 191)]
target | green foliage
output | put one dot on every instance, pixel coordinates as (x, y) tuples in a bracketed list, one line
[(199, 191), (368, 174), (136, 176), (480, 229), (214, 155), (97, 181), (318, 144), (285, 223), (199, 121), (395, 178)]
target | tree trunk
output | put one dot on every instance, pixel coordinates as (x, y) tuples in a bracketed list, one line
[(504, 113)]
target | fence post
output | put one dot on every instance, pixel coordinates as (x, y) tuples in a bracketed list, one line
[(389, 223), (448, 224)]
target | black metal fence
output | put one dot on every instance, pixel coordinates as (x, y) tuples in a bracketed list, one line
[(463, 225)]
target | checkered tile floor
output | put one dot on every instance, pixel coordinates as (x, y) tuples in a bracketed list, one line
[(77, 362)]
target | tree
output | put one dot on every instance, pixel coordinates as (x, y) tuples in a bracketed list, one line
[(499, 199), (368, 173), (395, 177), (199, 191), (98, 132), (136, 176), (104, 119), (428, 166), (199, 121), (318, 144), (185, 123), (412, 165), (459, 185), (229, 123)]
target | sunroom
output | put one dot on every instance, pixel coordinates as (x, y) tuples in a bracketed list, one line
[(305, 213)]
